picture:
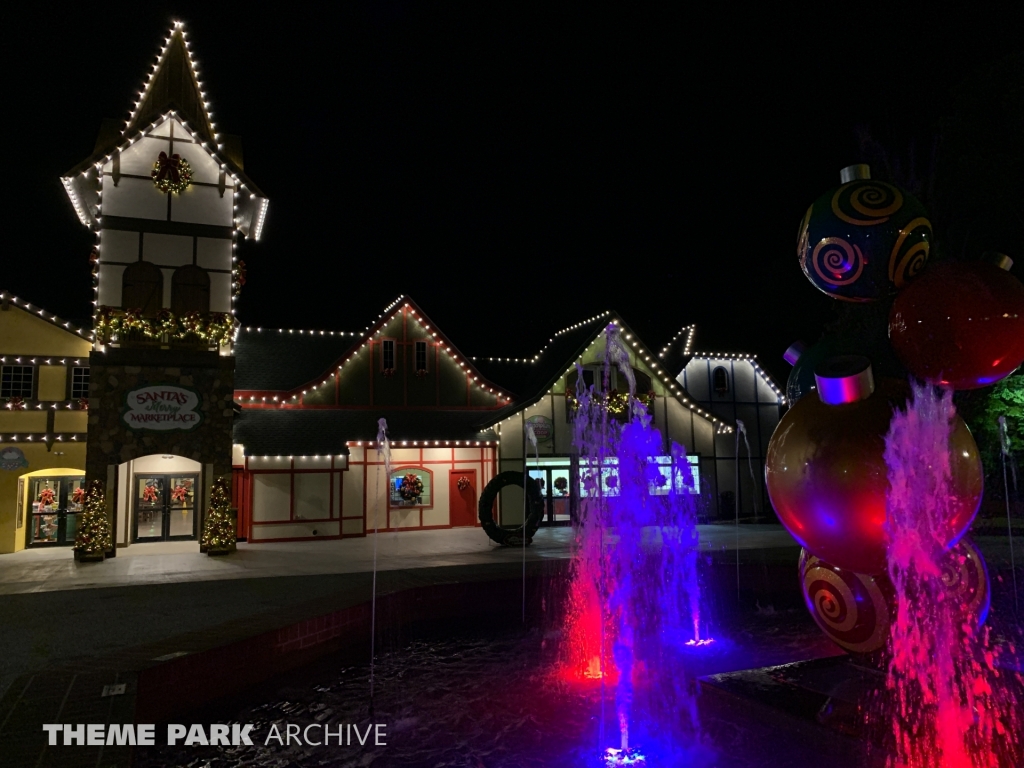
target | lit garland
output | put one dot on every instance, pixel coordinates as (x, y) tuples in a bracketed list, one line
[(615, 402), (212, 327), (171, 174), (92, 539), (219, 526)]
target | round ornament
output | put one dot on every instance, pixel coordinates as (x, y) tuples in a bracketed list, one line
[(827, 476), (804, 360), (965, 576), (171, 173), (864, 240), (853, 609), (961, 324)]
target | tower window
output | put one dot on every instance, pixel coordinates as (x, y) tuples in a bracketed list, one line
[(421, 356), (190, 290), (388, 354), (720, 380), (142, 288), (79, 383), (16, 381)]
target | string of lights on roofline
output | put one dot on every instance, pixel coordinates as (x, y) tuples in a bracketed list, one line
[(49, 317), (752, 359), (392, 443), (48, 405), (41, 437), (353, 334), (257, 229), (382, 319), (543, 349), (671, 384)]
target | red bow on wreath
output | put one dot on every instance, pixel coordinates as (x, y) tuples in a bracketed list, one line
[(78, 495), (168, 168), (149, 493), (179, 494), (46, 497)]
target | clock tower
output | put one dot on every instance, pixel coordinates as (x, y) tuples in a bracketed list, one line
[(167, 196)]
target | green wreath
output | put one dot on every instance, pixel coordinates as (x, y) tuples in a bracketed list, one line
[(411, 487), (511, 537)]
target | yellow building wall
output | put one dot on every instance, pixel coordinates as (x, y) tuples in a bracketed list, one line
[(63, 459), (52, 382), (22, 333)]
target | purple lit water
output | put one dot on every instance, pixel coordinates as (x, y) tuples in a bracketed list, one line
[(635, 596), (950, 703)]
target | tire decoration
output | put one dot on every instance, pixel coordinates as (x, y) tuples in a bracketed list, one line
[(510, 537)]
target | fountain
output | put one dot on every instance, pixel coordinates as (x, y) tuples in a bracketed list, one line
[(951, 704), (634, 597)]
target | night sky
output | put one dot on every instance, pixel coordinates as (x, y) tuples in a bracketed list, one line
[(512, 170)]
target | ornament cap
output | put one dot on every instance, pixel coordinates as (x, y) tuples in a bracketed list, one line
[(997, 259), (855, 172), (793, 352), (844, 379)]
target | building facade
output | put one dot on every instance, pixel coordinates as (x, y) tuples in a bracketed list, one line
[(44, 390)]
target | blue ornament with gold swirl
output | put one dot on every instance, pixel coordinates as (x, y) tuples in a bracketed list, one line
[(864, 240)]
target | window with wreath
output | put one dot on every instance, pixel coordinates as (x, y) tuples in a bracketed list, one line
[(411, 487), (16, 381)]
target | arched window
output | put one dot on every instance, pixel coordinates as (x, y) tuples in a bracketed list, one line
[(720, 380), (142, 288), (190, 290), (411, 487)]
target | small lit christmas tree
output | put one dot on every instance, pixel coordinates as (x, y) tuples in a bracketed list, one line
[(92, 539), (219, 526)]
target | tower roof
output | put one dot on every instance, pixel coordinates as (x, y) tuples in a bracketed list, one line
[(173, 83)]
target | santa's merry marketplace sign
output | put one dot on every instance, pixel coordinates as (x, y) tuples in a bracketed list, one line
[(162, 408)]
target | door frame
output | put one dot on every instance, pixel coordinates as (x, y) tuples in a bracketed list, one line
[(165, 515), (61, 511)]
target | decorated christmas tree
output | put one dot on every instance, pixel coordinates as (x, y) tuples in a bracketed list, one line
[(92, 539), (219, 526)]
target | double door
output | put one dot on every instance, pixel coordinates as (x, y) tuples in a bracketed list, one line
[(556, 491), (165, 507), (54, 504)]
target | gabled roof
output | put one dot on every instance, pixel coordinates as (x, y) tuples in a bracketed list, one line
[(279, 359), (679, 351), (64, 325), (538, 374), (172, 89), (174, 83), (292, 432), (286, 364)]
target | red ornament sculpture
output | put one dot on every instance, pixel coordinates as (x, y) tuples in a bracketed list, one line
[(961, 324), (827, 476)]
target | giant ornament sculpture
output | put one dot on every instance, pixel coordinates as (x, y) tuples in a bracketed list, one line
[(961, 324), (864, 240), (827, 476)]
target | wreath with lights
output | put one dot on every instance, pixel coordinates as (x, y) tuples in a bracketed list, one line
[(411, 487), (171, 173)]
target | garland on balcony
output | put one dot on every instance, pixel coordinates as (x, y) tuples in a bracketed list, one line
[(211, 327), (617, 403)]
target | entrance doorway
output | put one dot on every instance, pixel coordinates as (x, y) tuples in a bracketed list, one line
[(54, 503), (462, 497), (555, 489), (165, 507)]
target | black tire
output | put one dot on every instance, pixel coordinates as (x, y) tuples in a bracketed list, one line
[(511, 537)]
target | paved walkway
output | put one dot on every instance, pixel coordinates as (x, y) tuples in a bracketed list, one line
[(48, 570)]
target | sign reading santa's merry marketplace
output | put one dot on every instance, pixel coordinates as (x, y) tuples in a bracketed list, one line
[(162, 408)]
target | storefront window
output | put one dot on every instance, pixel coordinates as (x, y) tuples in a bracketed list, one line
[(411, 487)]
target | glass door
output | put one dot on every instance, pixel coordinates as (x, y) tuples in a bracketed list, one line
[(54, 503), (555, 489), (165, 507)]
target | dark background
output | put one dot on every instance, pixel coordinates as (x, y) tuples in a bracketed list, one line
[(518, 169)]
